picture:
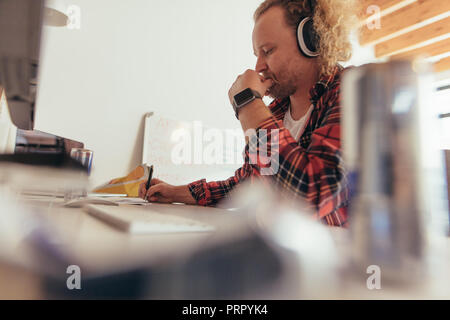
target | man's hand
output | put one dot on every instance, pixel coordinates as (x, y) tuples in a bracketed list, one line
[(160, 191), (250, 79), (255, 112)]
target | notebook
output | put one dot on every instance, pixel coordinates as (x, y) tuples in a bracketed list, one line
[(144, 220)]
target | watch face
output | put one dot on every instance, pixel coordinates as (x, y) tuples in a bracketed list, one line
[(243, 96)]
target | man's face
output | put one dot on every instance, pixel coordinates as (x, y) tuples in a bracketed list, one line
[(278, 57)]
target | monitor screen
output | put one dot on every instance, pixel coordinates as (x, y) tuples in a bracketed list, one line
[(20, 37)]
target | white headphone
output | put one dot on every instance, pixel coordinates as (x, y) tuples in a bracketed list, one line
[(306, 36)]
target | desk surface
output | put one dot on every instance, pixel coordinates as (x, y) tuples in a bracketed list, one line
[(101, 247)]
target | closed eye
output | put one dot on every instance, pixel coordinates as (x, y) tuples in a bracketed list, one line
[(267, 52)]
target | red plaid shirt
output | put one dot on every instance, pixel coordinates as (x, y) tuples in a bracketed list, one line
[(311, 168)]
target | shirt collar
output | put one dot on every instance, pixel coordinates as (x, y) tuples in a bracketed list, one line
[(323, 85)]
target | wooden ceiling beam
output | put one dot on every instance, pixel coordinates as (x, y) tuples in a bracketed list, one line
[(405, 19), (383, 5), (430, 50), (442, 65), (413, 39)]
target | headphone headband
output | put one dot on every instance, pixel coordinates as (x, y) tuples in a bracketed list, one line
[(312, 6)]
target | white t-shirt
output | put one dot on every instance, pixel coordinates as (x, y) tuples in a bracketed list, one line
[(296, 127)]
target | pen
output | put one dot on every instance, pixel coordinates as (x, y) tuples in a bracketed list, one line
[(149, 177)]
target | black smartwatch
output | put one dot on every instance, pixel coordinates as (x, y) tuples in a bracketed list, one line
[(243, 98)]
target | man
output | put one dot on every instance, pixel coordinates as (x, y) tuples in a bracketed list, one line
[(304, 117)]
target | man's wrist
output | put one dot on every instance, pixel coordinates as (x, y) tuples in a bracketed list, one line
[(253, 114), (183, 194)]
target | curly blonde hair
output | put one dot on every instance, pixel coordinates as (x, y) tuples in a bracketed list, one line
[(333, 21)]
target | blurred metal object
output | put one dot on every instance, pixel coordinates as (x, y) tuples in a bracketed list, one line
[(20, 37), (394, 185), (83, 156), (38, 142), (50, 174), (312, 262), (447, 168), (55, 13)]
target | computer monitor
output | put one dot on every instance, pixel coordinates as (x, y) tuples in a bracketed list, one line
[(20, 37)]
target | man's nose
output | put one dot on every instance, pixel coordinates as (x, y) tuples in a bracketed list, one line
[(260, 65)]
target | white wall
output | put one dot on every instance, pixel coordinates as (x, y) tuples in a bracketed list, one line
[(129, 57), (360, 54)]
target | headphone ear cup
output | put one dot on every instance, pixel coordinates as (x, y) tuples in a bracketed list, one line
[(307, 38)]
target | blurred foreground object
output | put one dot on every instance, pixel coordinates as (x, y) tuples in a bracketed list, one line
[(83, 156), (50, 174), (8, 131), (447, 166), (261, 250), (38, 142), (311, 257), (55, 13), (395, 167), (20, 38)]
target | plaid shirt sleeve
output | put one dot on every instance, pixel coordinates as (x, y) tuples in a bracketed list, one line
[(209, 193), (313, 171)]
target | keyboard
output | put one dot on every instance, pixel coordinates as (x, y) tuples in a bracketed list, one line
[(144, 220), (80, 202)]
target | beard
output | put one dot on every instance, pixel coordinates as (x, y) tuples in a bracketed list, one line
[(285, 84)]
